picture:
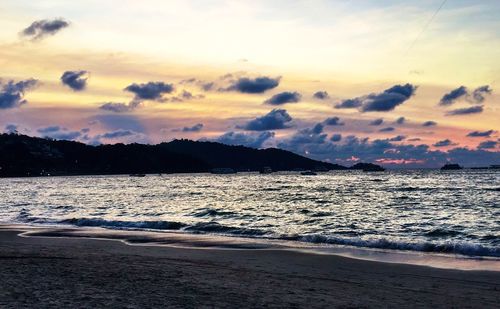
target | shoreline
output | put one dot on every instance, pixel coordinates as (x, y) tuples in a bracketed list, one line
[(186, 240), (69, 272)]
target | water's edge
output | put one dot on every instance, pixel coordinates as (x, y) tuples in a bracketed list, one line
[(183, 239)]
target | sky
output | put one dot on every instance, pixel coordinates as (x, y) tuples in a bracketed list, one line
[(400, 83)]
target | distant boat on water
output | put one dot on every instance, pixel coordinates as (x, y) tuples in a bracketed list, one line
[(222, 171), (451, 167), (308, 173), (137, 175)]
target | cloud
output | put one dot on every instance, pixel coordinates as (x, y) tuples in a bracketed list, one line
[(120, 107), (321, 95), (384, 151), (120, 122), (304, 139), (387, 100), (377, 122), (150, 91), (444, 143), (398, 138), (42, 28), (12, 93), (400, 120), (488, 145), (274, 120), (429, 123), (336, 138), (10, 128), (465, 111), (479, 93), (253, 85), (333, 121), (185, 96), (477, 96), (76, 80), (283, 98), (454, 95), (116, 134), (350, 103), (124, 135), (481, 134), (59, 133), (415, 139), (388, 129), (196, 128), (248, 140)]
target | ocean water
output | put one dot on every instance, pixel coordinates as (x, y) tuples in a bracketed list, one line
[(454, 212)]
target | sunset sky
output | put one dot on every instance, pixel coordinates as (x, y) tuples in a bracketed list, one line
[(400, 83)]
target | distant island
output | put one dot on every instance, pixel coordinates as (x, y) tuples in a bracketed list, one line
[(24, 156)]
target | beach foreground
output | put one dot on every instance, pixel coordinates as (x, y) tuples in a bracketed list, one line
[(75, 272)]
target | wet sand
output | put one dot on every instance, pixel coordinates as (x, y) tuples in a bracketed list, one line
[(62, 272)]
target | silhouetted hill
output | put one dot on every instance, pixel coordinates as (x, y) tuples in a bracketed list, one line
[(21, 155)]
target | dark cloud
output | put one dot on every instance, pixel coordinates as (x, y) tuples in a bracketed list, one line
[(382, 151), (304, 139), (465, 111), (196, 128), (254, 85), (120, 107), (398, 138), (415, 139), (283, 98), (429, 123), (400, 120), (59, 133), (248, 140), (42, 28), (387, 100), (10, 128), (12, 93), (336, 138), (150, 91), (481, 134), (488, 145), (454, 95), (274, 120), (479, 93), (388, 129), (377, 122), (477, 96), (333, 121), (350, 103), (444, 143), (116, 134), (321, 95), (76, 80)]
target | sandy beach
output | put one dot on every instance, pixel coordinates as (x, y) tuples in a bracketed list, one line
[(50, 272)]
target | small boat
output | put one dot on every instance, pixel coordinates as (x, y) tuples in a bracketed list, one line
[(137, 175), (222, 171), (308, 173), (451, 167)]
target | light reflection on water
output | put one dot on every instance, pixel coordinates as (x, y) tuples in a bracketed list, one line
[(454, 212)]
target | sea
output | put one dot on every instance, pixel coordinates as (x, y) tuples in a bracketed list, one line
[(445, 212)]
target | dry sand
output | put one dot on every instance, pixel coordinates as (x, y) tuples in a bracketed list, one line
[(57, 272)]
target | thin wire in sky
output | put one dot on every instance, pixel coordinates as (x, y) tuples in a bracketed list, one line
[(426, 26)]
